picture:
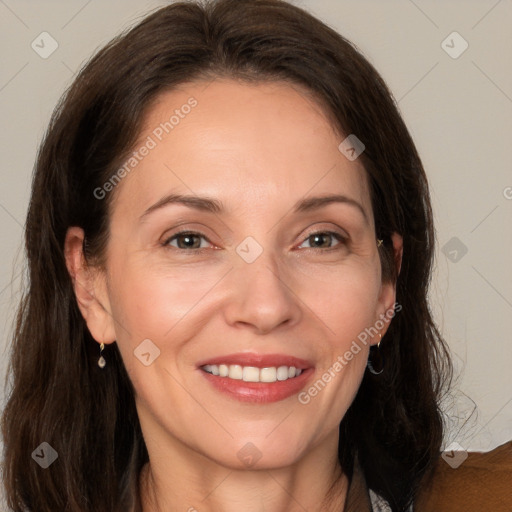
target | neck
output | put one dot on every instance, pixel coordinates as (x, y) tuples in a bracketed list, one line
[(305, 486)]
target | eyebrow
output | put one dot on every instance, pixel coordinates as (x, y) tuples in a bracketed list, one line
[(214, 206), (314, 203)]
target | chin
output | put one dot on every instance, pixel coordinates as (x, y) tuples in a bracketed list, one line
[(259, 453)]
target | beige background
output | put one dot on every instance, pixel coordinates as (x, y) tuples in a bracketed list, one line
[(459, 112)]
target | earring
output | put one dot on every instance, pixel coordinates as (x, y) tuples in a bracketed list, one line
[(375, 362), (101, 361), (379, 243)]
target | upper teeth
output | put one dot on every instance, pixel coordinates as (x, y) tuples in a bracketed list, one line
[(251, 373)]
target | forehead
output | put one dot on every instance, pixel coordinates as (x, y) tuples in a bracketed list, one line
[(239, 142)]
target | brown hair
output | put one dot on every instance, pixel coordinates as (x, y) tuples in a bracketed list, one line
[(88, 415)]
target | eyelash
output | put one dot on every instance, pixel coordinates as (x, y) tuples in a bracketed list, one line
[(341, 238)]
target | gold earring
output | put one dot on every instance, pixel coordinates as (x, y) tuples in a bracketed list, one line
[(101, 361), (379, 242)]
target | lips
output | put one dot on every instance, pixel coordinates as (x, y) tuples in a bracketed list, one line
[(259, 360), (258, 392)]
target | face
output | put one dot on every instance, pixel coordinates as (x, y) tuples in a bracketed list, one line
[(251, 273)]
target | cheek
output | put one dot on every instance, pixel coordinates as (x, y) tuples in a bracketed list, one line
[(344, 298), (168, 308), (151, 302), (347, 311), (346, 308)]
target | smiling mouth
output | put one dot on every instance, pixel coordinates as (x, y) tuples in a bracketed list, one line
[(257, 378), (252, 373)]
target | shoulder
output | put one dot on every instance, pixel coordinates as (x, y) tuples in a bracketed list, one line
[(482, 481)]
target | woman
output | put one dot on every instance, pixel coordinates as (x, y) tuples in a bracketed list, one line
[(229, 242)]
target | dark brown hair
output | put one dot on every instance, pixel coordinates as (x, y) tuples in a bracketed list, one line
[(59, 395)]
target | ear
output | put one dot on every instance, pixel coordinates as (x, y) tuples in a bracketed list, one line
[(387, 295), (90, 288)]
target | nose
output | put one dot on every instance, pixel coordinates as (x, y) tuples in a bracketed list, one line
[(261, 296)]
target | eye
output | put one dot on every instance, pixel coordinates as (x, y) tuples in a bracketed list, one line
[(191, 240), (187, 240), (323, 240)]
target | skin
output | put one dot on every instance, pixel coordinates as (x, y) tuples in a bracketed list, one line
[(258, 148)]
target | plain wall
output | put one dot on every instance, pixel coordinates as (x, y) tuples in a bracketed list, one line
[(458, 110)]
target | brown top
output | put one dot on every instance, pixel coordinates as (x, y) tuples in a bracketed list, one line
[(482, 482)]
